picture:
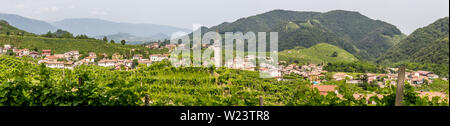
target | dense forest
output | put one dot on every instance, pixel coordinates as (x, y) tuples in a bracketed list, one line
[(363, 37)]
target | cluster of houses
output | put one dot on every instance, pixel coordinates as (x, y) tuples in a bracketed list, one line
[(156, 45), (117, 61), (311, 71), (71, 59), (316, 75), (18, 52)]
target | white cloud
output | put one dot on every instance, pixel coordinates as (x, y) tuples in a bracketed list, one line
[(99, 11), (20, 6), (72, 7), (95, 12)]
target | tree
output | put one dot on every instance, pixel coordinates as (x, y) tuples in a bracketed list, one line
[(48, 34), (105, 39), (123, 42), (112, 41), (10, 53), (335, 54), (135, 63)]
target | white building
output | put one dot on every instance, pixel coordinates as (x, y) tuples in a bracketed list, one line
[(55, 64)]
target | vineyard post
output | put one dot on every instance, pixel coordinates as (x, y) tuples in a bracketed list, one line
[(400, 86), (261, 101), (146, 100)]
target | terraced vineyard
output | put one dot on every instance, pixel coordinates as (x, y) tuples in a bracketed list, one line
[(24, 84)]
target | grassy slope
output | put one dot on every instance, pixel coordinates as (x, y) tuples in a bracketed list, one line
[(320, 53)]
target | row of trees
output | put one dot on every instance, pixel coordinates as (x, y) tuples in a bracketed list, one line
[(356, 67)]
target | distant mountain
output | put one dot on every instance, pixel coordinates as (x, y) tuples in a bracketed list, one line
[(425, 45), (364, 37), (98, 27), (27, 24), (319, 53)]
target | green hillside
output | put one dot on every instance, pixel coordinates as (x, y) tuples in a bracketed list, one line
[(62, 45), (309, 33), (425, 45), (320, 53), (346, 29)]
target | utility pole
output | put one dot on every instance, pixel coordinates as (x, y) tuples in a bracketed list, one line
[(400, 86)]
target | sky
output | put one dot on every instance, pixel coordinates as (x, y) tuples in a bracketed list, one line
[(407, 15)]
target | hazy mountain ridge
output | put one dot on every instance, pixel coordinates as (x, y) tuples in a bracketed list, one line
[(104, 27), (27, 24), (93, 27)]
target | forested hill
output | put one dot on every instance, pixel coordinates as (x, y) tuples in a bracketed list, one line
[(425, 45), (371, 37)]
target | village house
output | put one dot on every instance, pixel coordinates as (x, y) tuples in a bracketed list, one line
[(72, 55), (117, 56), (324, 89), (341, 76), (46, 52), (7, 47), (171, 46), (53, 58), (354, 81), (21, 52), (55, 64), (90, 59), (137, 56), (158, 57), (92, 54), (68, 65), (34, 54), (107, 63), (371, 77), (145, 62)]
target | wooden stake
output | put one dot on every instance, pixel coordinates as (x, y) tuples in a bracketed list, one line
[(261, 101), (400, 86), (147, 98)]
